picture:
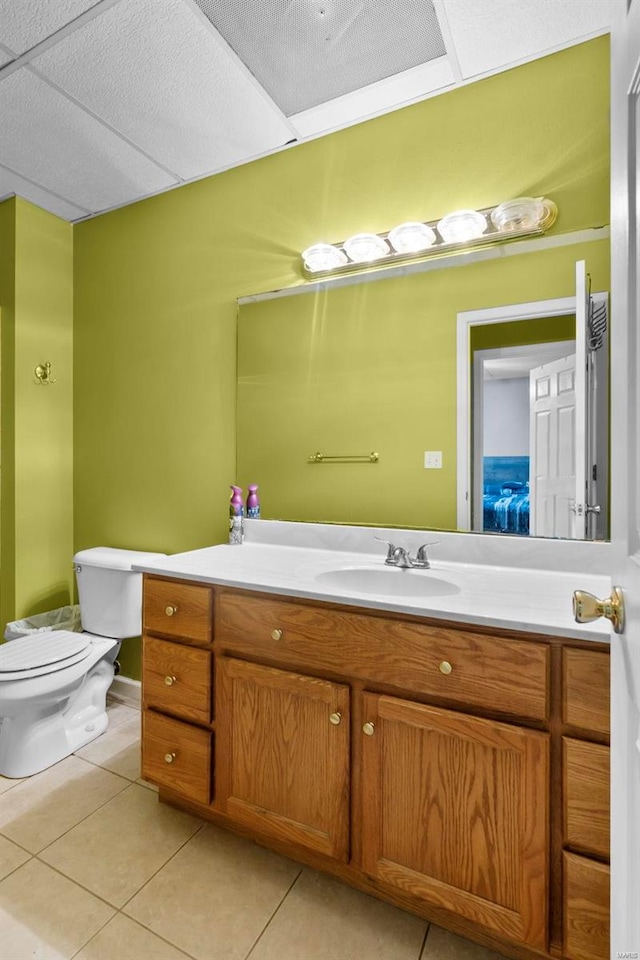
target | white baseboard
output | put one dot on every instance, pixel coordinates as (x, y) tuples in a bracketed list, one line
[(126, 691)]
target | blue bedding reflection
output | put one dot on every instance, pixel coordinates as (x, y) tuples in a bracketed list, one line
[(506, 495)]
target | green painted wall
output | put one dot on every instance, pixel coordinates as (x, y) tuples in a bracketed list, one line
[(7, 405), (156, 282), (373, 367), (36, 299)]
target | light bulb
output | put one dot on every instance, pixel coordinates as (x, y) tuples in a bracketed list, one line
[(364, 247), (323, 256), (411, 237), (462, 226)]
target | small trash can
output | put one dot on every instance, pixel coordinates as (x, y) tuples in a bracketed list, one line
[(64, 618)]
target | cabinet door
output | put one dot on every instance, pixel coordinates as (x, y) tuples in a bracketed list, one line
[(455, 812), (283, 755)]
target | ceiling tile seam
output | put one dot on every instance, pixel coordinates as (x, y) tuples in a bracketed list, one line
[(447, 36), (230, 52), (105, 123), (195, 179), (55, 38), (40, 186)]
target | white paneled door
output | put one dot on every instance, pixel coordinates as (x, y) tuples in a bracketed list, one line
[(552, 450), (625, 447)]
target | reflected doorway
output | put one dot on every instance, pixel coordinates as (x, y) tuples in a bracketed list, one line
[(507, 381)]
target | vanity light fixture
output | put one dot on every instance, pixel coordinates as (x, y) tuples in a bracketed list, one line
[(415, 240)]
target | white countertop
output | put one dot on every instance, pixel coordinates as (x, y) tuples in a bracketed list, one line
[(512, 598)]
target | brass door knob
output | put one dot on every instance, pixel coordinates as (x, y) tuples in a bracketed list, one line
[(169, 680), (368, 728), (171, 610), (586, 608), (276, 634), (335, 718), (169, 757), (445, 667)]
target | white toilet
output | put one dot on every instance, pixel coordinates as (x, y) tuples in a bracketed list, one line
[(53, 684)]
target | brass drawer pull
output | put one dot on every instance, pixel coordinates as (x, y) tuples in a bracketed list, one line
[(169, 680), (169, 757), (276, 634), (368, 728), (335, 718), (171, 609), (445, 667)]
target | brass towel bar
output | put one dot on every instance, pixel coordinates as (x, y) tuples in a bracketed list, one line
[(347, 458)]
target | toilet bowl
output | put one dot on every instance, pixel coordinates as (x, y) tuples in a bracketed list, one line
[(53, 684)]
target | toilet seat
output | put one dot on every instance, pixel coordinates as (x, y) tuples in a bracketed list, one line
[(42, 653)]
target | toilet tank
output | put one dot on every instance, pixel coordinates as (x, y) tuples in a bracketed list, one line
[(110, 592)]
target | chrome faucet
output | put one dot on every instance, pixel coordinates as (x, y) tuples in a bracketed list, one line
[(400, 556)]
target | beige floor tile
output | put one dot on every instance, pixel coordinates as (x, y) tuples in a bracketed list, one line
[(119, 712), (43, 807), (122, 939), (11, 857), (117, 750), (115, 851), (45, 916), (443, 945), (215, 896), (6, 783), (323, 919)]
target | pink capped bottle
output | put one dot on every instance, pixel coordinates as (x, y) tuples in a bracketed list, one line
[(253, 503)]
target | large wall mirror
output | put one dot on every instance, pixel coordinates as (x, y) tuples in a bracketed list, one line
[(411, 431)]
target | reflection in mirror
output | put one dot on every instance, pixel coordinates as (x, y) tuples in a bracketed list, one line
[(374, 366), (533, 418)]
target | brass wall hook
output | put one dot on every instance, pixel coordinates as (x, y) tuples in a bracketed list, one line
[(43, 373)]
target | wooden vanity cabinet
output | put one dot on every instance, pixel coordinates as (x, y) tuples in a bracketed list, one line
[(442, 768), (456, 813), (284, 755), (177, 688)]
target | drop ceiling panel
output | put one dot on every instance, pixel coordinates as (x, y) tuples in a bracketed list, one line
[(158, 73), (374, 99), (24, 23), (492, 35), (51, 141), (11, 182), (308, 52)]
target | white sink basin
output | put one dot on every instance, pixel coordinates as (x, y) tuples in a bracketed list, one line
[(387, 582)]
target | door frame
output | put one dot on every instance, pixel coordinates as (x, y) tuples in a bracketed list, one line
[(467, 319)]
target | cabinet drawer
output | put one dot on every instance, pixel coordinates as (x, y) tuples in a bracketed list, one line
[(585, 689), (586, 796), (177, 678), (177, 756), (586, 908), (498, 674), (178, 610)]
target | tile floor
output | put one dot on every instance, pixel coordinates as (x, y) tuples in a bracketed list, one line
[(92, 867)]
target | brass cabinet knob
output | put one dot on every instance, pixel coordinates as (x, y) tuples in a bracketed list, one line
[(445, 667), (276, 634), (169, 680), (171, 610), (586, 608), (368, 728), (335, 718), (169, 757)]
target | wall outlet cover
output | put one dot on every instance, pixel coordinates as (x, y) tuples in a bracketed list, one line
[(433, 459)]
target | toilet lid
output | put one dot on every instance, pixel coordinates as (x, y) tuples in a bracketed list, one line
[(47, 651)]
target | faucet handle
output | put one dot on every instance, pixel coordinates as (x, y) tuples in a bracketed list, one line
[(422, 559), (391, 549)]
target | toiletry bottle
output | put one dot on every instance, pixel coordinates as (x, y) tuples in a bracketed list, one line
[(236, 516), (253, 503)]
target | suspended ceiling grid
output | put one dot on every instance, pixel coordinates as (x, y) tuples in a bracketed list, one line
[(103, 103)]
